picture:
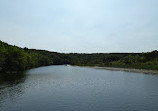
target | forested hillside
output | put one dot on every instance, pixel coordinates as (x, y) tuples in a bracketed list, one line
[(13, 58), (147, 60)]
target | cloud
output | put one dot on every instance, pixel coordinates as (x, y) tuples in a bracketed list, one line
[(80, 26)]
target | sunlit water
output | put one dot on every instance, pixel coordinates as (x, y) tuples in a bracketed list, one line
[(69, 88)]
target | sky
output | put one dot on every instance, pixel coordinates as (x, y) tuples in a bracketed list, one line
[(80, 26)]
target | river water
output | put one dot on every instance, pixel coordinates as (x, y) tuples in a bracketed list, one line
[(70, 88)]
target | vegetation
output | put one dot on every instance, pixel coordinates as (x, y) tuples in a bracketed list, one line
[(13, 58)]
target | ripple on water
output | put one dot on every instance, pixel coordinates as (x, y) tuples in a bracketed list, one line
[(68, 88)]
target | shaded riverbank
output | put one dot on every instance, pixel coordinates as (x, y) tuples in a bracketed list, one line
[(124, 69)]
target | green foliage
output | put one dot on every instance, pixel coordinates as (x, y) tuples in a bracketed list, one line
[(13, 58)]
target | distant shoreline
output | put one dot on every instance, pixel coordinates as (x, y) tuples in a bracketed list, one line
[(124, 69), (16, 59)]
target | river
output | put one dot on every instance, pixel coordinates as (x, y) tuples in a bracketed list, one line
[(72, 88)]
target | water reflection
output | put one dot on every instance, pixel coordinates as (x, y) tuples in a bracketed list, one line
[(10, 86), (62, 88)]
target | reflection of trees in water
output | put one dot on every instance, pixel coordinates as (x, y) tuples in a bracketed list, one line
[(11, 86), (12, 79)]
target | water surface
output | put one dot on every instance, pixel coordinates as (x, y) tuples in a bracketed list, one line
[(69, 88)]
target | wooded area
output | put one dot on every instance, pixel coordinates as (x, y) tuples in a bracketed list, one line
[(13, 58)]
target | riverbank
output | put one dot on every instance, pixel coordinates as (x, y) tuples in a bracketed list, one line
[(14, 59), (125, 69), (130, 70)]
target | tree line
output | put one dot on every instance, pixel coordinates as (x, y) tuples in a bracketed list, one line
[(13, 58)]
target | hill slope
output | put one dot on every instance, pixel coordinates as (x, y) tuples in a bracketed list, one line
[(13, 58)]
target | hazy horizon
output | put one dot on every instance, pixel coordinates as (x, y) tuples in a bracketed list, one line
[(85, 26)]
